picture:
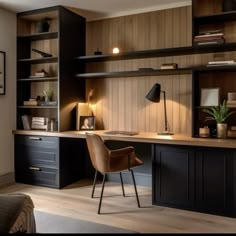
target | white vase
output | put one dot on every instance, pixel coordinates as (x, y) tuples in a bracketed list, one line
[(222, 130)]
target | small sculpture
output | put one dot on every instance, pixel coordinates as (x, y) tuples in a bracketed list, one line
[(43, 54)]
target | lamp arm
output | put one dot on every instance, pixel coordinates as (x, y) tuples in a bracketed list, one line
[(166, 127)]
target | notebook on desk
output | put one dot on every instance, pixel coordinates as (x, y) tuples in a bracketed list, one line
[(115, 132)]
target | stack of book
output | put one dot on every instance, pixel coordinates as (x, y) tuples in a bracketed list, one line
[(168, 66), (231, 103), (31, 102), (39, 123), (209, 37), (221, 63), (39, 74)]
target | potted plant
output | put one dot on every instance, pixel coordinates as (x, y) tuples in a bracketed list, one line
[(219, 114), (47, 95)]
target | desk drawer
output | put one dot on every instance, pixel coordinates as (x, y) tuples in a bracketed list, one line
[(38, 176), (37, 141), (40, 152)]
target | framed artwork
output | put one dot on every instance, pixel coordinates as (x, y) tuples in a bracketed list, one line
[(210, 97), (2, 73), (87, 123)]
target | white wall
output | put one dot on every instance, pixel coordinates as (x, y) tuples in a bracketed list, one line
[(8, 101)]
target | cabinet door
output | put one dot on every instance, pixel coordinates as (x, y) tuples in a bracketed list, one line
[(214, 180), (173, 176)]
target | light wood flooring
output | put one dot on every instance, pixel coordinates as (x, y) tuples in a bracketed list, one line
[(75, 201)]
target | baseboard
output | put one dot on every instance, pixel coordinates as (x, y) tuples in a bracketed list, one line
[(7, 179), (140, 178)]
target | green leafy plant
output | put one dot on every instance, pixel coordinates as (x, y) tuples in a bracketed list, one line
[(219, 113)]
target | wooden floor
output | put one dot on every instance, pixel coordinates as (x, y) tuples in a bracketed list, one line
[(74, 201)]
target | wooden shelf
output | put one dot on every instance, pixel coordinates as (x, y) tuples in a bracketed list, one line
[(161, 52), (38, 79), (117, 74), (216, 18), (40, 60), (185, 70), (39, 36), (38, 107)]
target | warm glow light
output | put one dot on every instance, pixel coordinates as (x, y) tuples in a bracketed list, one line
[(115, 50)]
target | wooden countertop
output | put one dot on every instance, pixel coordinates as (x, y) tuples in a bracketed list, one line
[(143, 137)]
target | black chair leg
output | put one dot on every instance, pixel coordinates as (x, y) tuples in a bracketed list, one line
[(122, 185), (132, 173), (94, 183), (100, 202)]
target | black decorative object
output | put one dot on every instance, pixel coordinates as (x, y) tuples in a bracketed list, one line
[(154, 96), (97, 52), (228, 5), (43, 54), (43, 25)]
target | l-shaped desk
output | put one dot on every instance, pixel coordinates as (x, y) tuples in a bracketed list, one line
[(189, 173)]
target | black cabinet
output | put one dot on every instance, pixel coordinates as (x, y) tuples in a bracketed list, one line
[(173, 176), (214, 180), (196, 178), (48, 161)]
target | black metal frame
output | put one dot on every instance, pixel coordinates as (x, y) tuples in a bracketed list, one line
[(122, 185)]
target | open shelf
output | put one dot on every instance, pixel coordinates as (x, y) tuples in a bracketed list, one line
[(39, 36), (38, 79), (38, 107), (39, 60), (216, 18), (161, 52)]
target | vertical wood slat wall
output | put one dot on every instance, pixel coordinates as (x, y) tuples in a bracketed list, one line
[(120, 102)]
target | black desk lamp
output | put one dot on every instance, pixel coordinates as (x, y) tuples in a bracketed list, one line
[(154, 96)]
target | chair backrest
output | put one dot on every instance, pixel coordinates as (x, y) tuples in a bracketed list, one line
[(99, 153)]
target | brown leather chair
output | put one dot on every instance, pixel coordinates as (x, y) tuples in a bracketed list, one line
[(106, 161)]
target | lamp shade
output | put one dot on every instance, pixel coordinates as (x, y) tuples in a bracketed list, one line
[(155, 93)]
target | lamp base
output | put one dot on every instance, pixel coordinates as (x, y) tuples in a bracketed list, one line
[(165, 133)]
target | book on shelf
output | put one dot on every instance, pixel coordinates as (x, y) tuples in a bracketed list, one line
[(39, 123), (48, 103), (221, 63), (208, 38), (30, 103), (26, 121), (202, 36), (167, 66), (209, 42)]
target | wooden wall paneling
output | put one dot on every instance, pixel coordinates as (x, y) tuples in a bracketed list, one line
[(128, 46), (126, 106)]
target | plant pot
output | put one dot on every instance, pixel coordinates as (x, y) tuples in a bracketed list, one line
[(43, 26), (229, 5), (222, 130)]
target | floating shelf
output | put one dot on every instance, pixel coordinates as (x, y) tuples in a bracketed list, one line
[(161, 52), (40, 60), (185, 70), (38, 79), (39, 36), (117, 74)]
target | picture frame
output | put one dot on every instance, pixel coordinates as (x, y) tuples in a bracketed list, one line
[(87, 123), (2, 73), (210, 97)]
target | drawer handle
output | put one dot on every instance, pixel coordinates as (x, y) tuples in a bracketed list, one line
[(35, 168), (35, 138)]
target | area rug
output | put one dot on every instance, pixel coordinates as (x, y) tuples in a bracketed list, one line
[(51, 223)]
